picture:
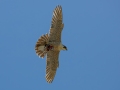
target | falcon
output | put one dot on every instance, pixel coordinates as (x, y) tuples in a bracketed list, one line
[(50, 44)]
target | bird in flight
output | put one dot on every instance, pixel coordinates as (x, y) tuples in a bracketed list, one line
[(50, 44)]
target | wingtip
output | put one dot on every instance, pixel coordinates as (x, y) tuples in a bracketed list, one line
[(59, 6)]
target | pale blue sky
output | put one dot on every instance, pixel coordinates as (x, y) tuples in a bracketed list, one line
[(91, 33)]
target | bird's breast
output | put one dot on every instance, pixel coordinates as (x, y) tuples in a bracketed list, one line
[(56, 45)]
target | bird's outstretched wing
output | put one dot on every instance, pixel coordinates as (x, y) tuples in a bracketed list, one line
[(51, 65), (56, 25)]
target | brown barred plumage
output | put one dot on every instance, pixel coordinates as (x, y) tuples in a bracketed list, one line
[(41, 42), (50, 44)]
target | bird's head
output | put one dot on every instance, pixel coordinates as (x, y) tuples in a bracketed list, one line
[(64, 47)]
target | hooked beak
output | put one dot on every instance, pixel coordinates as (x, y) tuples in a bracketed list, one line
[(66, 49)]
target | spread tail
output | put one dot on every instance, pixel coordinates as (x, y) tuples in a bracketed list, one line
[(40, 45)]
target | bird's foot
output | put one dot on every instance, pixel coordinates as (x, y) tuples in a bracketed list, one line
[(48, 47)]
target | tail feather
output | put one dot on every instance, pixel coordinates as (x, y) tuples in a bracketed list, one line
[(43, 54), (45, 37), (40, 45)]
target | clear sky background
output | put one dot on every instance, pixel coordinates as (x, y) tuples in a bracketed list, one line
[(91, 34)]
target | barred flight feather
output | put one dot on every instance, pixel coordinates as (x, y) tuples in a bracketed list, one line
[(40, 51)]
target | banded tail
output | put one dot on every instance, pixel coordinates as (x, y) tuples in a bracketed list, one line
[(40, 45)]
